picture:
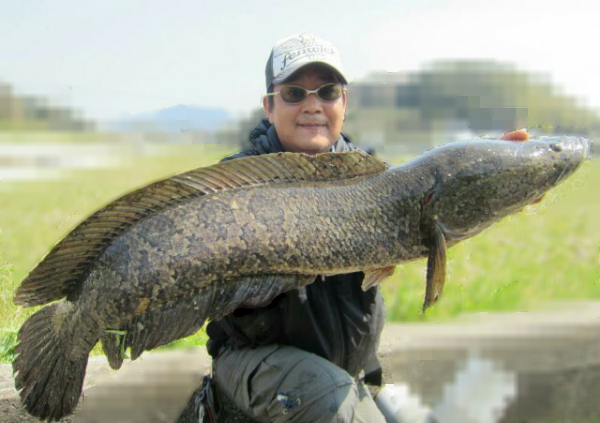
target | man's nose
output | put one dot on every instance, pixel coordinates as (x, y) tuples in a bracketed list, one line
[(312, 104)]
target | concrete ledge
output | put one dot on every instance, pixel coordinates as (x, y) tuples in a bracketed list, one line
[(553, 356)]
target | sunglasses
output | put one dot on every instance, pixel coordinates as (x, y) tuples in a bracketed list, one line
[(293, 95)]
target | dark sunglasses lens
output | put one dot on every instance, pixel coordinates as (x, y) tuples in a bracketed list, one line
[(292, 94), (330, 92)]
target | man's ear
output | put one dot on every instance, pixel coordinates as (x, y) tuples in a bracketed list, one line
[(267, 108)]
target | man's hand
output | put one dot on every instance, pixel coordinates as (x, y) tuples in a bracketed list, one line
[(519, 136)]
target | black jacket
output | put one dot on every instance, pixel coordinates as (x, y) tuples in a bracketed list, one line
[(331, 317)]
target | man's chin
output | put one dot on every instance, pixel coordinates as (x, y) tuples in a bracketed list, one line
[(316, 145), (301, 143)]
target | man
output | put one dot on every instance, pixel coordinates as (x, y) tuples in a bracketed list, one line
[(306, 356), (301, 358)]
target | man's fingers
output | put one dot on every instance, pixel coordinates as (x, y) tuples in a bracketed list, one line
[(519, 136)]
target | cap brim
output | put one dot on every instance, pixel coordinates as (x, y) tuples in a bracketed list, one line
[(291, 71)]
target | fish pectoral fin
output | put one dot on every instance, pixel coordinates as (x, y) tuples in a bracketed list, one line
[(436, 268), (374, 277)]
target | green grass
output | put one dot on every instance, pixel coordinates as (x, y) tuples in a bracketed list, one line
[(8, 330), (548, 252)]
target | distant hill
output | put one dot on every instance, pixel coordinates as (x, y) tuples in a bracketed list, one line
[(22, 113), (179, 118)]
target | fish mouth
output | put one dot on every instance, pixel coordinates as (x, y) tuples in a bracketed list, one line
[(579, 150), (587, 148), (582, 146)]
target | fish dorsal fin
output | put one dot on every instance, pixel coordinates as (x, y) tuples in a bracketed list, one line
[(66, 266), (285, 167)]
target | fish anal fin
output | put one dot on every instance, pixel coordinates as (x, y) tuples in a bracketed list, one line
[(436, 268), (374, 277), (160, 324)]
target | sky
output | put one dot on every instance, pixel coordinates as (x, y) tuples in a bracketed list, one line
[(112, 58)]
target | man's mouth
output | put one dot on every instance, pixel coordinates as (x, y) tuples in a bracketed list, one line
[(312, 125)]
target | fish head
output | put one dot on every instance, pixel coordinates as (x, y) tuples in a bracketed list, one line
[(481, 181)]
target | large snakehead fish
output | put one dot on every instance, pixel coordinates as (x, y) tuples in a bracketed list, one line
[(158, 262)]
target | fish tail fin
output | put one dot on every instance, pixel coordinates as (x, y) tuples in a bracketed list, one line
[(49, 369)]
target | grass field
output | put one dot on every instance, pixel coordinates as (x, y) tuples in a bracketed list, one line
[(548, 252)]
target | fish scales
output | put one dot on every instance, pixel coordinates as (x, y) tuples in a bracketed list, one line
[(228, 236), (325, 230)]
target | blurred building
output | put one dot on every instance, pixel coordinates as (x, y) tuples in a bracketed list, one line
[(21, 113), (413, 112)]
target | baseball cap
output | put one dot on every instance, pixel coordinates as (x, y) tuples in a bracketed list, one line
[(292, 53)]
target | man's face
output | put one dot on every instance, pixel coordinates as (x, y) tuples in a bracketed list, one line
[(311, 126)]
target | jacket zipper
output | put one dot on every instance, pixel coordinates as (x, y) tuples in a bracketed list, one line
[(339, 328)]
